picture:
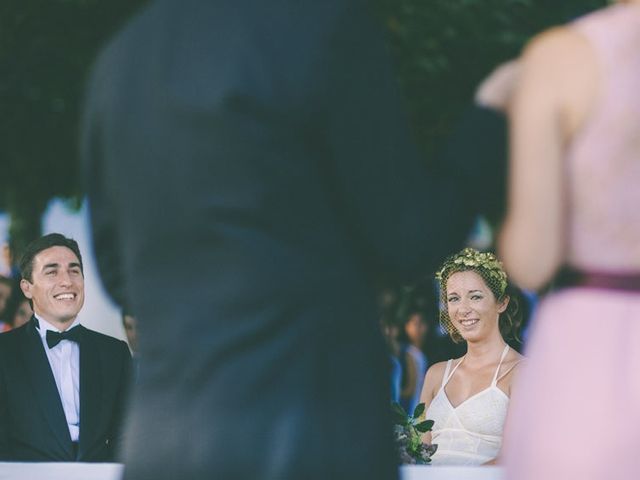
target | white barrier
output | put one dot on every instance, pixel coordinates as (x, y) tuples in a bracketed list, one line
[(60, 471), (113, 471), (428, 472)]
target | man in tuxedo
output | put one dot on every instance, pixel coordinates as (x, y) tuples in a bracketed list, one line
[(251, 177), (63, 387)]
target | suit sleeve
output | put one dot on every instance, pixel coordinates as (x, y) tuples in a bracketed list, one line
[(407, 216), (476, 154), (4, 420), (122, 398)]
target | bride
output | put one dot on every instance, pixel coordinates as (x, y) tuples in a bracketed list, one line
[(467, 398)]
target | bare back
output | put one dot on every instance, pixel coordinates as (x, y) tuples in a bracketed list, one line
[(603, 160), (575, 143)]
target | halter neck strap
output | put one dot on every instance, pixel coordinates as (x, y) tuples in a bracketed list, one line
[(502, 357), (447, 375), (448, 372)]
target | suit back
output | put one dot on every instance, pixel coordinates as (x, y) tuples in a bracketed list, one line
[(250, 174)]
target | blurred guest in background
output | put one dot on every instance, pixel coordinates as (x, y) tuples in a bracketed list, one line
[(6, 288), (391, 333), (130, 325), (415, 364), (6, 261), (22, 314), (19, 309)]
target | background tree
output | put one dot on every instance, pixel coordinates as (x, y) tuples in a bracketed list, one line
[(444, 48), (46, 50)]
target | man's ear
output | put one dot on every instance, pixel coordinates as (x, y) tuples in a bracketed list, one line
[(25, 286)]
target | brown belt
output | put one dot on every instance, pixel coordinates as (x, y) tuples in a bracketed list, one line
[(570, 277)]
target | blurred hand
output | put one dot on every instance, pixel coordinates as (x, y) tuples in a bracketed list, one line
[(495, 91)]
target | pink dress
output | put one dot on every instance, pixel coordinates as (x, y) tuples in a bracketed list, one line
[(575, 412)]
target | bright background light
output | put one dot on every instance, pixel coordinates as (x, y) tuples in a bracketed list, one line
[(99, 312)]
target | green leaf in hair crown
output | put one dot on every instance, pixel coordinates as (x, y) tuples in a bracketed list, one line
[(471, 259)]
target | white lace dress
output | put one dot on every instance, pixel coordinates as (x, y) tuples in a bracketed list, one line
[(470, 433)]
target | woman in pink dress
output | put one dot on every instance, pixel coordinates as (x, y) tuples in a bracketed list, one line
[(573, 221)]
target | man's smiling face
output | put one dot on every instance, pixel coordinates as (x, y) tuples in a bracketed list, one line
[(56, 287)]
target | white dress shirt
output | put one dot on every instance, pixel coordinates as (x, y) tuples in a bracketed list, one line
[(64, 360)]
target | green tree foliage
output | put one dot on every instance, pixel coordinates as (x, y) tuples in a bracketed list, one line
[(46, 49), (444, 48)]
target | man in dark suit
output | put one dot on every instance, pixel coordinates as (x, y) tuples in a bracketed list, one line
[(251, 176), (63, 387)]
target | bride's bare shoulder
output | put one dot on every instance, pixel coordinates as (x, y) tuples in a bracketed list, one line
[(437, 369), (434, 376)]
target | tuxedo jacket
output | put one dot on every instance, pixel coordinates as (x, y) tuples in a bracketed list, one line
[(33, 426), (251, 174)]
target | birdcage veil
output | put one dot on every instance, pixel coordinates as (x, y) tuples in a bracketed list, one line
[(490, 269)]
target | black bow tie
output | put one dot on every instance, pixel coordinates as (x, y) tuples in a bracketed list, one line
[(54, 338)]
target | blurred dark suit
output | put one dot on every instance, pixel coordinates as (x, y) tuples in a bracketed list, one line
[(250, 173)]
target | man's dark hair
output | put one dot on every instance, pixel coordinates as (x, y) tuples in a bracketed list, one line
[(42, 243)]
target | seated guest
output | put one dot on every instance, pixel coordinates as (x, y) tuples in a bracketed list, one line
[(391, 332), (63, 386), (413, 336), (6, 286), (467, 398), (18, 310), (130, 325)]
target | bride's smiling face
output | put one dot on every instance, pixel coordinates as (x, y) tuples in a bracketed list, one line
[(472, 307)]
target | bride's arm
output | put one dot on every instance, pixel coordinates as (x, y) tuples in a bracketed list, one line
[(432, 382)]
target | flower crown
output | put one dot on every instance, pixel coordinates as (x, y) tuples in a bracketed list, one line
[(472, 259)]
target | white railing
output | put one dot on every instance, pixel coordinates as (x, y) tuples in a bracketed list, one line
[(429, 472), (60, 471), (113, 471)]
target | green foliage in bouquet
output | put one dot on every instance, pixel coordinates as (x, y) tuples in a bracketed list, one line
[(407, 431)]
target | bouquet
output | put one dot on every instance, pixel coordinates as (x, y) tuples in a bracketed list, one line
[(407, 432)]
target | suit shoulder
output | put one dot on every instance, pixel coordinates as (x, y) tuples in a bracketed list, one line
[(11, 343), (104, 339), (12, 335)]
